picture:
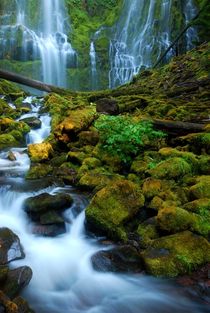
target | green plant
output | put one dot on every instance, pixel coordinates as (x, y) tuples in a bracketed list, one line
[(124, 137)]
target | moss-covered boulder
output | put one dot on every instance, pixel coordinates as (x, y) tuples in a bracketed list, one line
[(113, 206), (201, 189), (33, 122), (10, 89), (200, 206), (40, 152), (173, 168), (147, 231), (38, 171), (77, 121), (177, 254)]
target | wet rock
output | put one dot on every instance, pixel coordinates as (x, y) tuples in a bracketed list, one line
[(10, 247), (33, 122), (45, 202), (22, 304), (177, 254), (11, 156), (49, 230), (16, 280), (124, 259), (107, 105), (3, 273), (40, 152), (51, 217), (113, 206)]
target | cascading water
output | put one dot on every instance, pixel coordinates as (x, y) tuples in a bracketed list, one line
[(63, 278), (93, 66), (45, 40), (190, 12), (141, 35)]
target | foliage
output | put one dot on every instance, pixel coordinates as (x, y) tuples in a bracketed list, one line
[(122, 136)]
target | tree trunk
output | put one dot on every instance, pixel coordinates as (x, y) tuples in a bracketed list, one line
[(16, 78), (178, 128)]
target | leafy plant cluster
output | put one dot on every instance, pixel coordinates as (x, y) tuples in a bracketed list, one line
[(123, 137)]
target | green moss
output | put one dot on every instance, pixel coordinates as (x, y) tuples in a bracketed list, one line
[(176, 254), (147, 233), (113, 206), (172, 168), (39, 171)]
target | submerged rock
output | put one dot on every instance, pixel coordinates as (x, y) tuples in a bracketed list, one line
[(33, 122), (10, 247), (123, 259)]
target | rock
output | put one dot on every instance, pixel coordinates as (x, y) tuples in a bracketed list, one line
[(10, 247), (122, 259), (33, 122), (152, 187), (38, 171), (49, 230), (113, 206), (11, 156), (76, 157), (17, 279), (22, 304), (199, 206), (107, 105), (97, 179), (89, 137), (77, 121), (173, 168), (177, 254), (147, 232), (40, 152), (201, 189), (51, 217), (45, 202), (3, 273)]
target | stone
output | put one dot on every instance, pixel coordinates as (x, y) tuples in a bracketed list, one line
[(10, 247), (33, 122), (170, 256), (122, 259), (113, 206), (108, 106), (40, 152)]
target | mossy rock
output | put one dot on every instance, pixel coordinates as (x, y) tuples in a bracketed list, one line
[(168, 152), (152, 187), (7, 140), (10, 89), (77, 121), (89, 137), (39, 171), (173, 168), (147, 232), (199, 142), (113, 206), (97, 179), (177, 254), (10, 247), (76, 157), (201, 189), (40, 152), (200, 206)]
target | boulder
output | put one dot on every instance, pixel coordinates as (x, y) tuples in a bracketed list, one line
[(177, 254), (123, 259), (40, 152), (173, 168), (33, 122), (108, 106), (201, 189), (77, 121), (16, 280), (45, 202), (10, 247), (89, 137), (113, 206)]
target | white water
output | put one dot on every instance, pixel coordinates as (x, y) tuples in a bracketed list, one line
[(141, 35), (63, 278), (46, 41), (93, 66), (190, 12)]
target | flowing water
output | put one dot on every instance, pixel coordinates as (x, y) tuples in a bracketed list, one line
[(63, 278), (44, 39), (142, 33), (93, 65)]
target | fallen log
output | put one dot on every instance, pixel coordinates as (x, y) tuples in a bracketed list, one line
[(16, 78), (178, 128)]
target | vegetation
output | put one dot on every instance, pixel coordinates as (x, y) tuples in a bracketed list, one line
[(123, 136)]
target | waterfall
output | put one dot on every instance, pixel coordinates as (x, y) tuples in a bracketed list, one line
[(45, 40), (93, 66), (142, 33), (190, 12)]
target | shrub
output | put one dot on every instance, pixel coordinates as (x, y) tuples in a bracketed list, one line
[(122, 136)]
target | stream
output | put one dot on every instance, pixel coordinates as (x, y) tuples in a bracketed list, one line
[(63, 278)]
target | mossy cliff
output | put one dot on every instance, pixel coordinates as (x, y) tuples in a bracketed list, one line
[(147, 190)]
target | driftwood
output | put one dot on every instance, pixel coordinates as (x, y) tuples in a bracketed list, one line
[(178, 128), (16, 78)]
